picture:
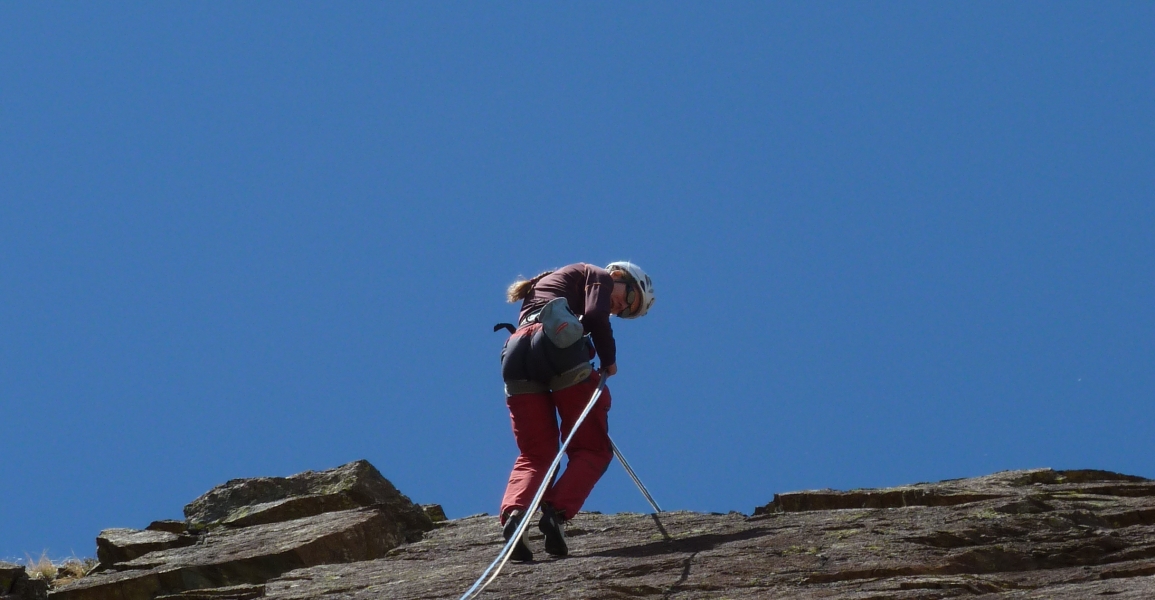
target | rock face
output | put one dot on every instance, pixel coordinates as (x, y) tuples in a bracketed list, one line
[(244, 502), (16, 585), (245, 556), (122, 545), (1065, 535), (434, 512), (228, 549), (1069, 535)]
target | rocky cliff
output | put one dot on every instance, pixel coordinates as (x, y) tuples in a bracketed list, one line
[(348, 533)]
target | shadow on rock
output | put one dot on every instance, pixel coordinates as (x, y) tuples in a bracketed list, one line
[(691, 544)]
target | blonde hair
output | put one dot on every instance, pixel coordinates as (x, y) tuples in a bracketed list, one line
[(520, 288)]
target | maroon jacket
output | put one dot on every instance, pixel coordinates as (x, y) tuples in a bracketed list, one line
[(587, 289)]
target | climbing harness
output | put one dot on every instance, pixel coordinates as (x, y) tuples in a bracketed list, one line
[(642, 488), (502, 558)]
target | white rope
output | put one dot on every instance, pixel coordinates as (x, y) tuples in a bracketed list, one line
[(642, 487), (502, 558), (638, 482)]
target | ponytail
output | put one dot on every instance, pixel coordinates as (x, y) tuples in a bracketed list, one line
[(520, 289)]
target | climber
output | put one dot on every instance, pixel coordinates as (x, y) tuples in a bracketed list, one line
[(564, 322)]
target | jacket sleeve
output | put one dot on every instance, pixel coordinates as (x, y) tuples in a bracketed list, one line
[(596, 319)]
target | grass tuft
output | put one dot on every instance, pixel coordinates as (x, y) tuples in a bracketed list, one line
[(58, 573), (41, 568)]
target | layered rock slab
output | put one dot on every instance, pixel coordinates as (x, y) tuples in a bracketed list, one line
[(246, 531), (254, 501), (15, 584), (1006, 484), (121, 545), (1024, 534), (246, 556)]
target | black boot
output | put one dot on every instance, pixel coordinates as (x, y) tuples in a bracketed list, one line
[(521, 552), (552, 525)]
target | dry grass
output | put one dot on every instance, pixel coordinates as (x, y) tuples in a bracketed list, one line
[(58, 573), (73, 568), (41, 568)]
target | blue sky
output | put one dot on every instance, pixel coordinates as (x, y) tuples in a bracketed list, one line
[(891, 243)]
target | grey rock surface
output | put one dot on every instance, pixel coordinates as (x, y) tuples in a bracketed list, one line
[(9, 573), (232, 592), (168, 525), (252, 555), (1062, 535), (1066, 535), (242, 533), (434, 512), (121, 545), (15, 584), (260, 500)]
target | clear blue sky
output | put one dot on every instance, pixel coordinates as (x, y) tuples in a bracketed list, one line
[(891, 243)]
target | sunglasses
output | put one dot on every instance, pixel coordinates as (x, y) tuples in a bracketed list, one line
[(631, 296)]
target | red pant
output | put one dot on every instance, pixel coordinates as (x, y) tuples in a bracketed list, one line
[(536, 432)]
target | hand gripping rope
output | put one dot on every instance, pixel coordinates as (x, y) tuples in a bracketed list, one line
[(503, 557)]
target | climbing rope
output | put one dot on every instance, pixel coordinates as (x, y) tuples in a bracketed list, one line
[(502, 558), (638, 482), (642, 488)]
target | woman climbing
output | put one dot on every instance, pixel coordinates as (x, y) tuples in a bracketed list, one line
[(564, 322)]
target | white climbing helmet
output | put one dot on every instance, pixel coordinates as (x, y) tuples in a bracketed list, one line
[(635, 275)]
